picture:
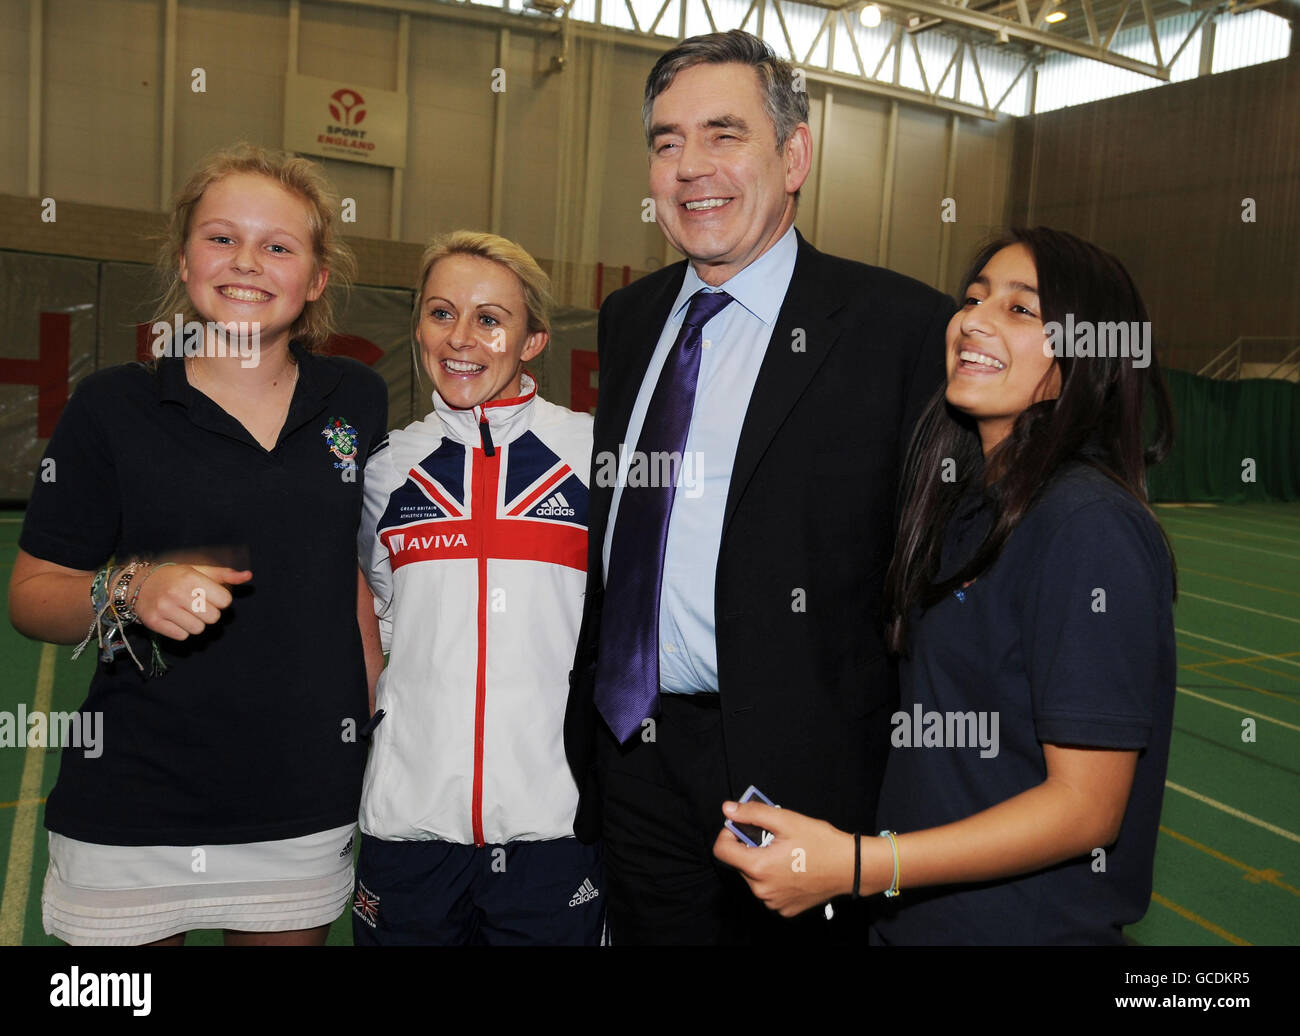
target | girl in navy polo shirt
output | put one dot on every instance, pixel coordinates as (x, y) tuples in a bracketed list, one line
[(198, 533), (1030, 595)]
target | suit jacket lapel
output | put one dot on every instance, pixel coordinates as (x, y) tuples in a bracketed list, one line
[(803, 337), (640, 328)]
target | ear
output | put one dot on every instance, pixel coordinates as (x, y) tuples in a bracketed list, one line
[(536, 343), (184, 268), (317, 286), (798, 157)]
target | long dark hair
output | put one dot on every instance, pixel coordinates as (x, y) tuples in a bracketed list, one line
[(1097, 419)]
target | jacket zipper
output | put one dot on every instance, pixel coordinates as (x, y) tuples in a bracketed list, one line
[(481, 500)]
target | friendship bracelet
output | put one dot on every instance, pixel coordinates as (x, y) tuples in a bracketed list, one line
[(98, 605), (892, 891), (111, 615), (857, 863)]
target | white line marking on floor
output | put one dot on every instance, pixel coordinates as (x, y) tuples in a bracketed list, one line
[(1235, 546), (18, 872), (1242, 607), (1253, 652), (1233, 812), (1238, 708)]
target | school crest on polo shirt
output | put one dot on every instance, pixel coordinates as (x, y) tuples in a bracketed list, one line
[(341, 438)]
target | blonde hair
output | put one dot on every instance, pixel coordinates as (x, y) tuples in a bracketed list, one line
[(532, 278), (300, 177)]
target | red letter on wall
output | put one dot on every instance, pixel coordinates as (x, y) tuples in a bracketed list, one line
[(582, 393), (49, 373)]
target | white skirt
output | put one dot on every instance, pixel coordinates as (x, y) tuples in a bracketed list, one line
[(127, 895)]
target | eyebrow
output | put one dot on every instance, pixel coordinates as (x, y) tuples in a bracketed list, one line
[(1014, 285), (717, 122), (495, 305), (272, 232)]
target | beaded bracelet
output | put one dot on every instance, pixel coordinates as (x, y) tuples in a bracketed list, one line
[(112, 615), (121, 611)]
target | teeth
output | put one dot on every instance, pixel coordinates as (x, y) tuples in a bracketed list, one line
[(244, 294), (980, 358), (462, 368), (710, 203)]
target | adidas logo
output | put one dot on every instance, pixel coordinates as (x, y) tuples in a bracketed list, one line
[(586, 892), (556, 507), (347, 849)]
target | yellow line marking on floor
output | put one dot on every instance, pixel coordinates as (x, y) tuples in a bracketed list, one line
[(1234, 546), (21, 802), (1290, 699), (1238, 708), (1254, 875), (1209, 926), (1232, 811), (1200, 668), (1238, 647), (18, 872), (1239, 582), (1242, 607), (1224, 660)]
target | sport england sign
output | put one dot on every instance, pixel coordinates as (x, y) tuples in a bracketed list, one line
[(336, 119)]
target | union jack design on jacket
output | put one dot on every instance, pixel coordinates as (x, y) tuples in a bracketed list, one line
[(474, 542)]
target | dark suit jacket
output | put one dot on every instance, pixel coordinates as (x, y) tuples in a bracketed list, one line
[(806, 687)]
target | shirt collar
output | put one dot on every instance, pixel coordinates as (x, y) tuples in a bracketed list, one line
[(507, 418), (760, 287), (316, 380)]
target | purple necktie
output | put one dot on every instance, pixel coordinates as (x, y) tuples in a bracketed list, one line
[(627, 666)]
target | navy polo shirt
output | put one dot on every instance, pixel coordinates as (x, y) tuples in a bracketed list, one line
[(250, 734), (1066, 639)]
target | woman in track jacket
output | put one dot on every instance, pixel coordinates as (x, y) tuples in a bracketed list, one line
[(474, 543)]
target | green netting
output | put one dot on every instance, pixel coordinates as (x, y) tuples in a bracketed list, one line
[(1224, 426)]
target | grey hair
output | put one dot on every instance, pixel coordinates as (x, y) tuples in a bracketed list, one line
[(785, 105)]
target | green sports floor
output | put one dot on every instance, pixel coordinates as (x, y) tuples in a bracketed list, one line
[(1228, 857)]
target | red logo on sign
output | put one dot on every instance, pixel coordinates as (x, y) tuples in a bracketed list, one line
[(347, 107)]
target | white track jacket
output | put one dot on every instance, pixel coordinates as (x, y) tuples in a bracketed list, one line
[(474, 542)]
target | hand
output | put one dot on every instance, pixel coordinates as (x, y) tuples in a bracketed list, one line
[(807, 862), (180, 600)]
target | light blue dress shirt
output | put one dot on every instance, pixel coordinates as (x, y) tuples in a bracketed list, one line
[(735, 342)]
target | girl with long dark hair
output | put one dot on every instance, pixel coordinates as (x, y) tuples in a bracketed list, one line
[(1030, 598)]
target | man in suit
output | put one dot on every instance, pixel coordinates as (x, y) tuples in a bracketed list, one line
[(755, 403)]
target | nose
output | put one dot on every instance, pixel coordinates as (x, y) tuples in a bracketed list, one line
[(247, 259), (694, 160), (975, 320), (462, 333)]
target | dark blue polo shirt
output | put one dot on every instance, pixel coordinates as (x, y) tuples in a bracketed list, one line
[(246, 736), (1068, 638)]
